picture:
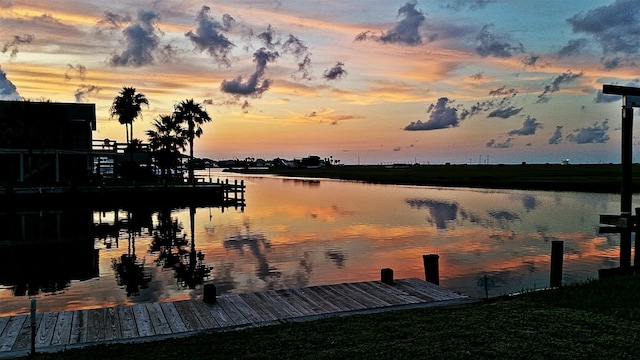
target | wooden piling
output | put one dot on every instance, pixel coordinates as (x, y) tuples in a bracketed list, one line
[(557, 253), (209, 293), (33, 327), (386, 276), (431, 268)]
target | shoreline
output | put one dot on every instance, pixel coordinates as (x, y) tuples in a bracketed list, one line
[(598, 178)]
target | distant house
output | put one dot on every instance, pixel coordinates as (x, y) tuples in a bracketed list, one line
[(46, 142)]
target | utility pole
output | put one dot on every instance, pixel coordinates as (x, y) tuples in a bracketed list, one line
[(630, 99)]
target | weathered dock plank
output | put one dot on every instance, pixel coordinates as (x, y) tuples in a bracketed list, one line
[(243, 308), (320, 305), (79, 326), (46, 326), (203, 314), (389, 293), (13, 331), (128, 327), (190, 320), (297, 303), (173, 317), (226, 303), (112, 329), (344, 303), (220, 315), (143, 322), (257, 305), (62, 332), (366, 296), (95, 324), (158, 319)]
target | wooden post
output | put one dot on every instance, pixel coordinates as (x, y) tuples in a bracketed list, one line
[(209, 293), (636, 260), (33, 327), (557, 252), (431, 268), (386, 276)]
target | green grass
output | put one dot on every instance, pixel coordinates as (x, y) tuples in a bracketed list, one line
[(593, 320)]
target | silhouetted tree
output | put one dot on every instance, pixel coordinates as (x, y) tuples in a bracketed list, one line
[(194, 115), (127, 106), (167, 140)]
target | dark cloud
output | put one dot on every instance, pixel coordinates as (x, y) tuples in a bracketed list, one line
[(593, 134), (498, 106), (441, 116), (336, 72), (8, 91), (209, 35), (13, 46), (299, 49), (573, 47), (405, 32), (84, 91), (505, 112), (494, 45), (269, 38), (256, 84), (529, 127), (606, 98), (563, 78), (530, 60), (556, 138), (615, 27), (503, 145), (140, 41)]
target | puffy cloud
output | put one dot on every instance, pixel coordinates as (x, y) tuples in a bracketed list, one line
[(616, 28), (209, 35), (529, 127), (493, 45), (140, 41), (335, 73), (441, 116), (256, 84), (406, 31), (111, 21), (8, 91), (592, 134), (556, 138)]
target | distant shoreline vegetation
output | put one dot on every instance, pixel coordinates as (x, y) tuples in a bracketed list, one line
[(600, 178)]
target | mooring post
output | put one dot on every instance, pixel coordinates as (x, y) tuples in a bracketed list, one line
[(557, 253), (209, 293), (636, 260), (33, 326), (431, 268), (386, 276)]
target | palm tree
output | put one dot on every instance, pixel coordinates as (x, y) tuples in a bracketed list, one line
[(194, 115), (167, 140), (127, 106)]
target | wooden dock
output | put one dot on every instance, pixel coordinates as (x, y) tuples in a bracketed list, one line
[(56, 331)]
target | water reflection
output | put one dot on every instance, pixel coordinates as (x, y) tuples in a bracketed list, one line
[(297, 233)]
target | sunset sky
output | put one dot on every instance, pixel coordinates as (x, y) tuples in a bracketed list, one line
[(369, 82)]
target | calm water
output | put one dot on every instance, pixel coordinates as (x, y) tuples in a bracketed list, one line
[(297, 232)]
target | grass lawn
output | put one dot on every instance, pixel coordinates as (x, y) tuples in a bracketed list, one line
[(593, 320)]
